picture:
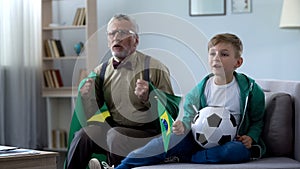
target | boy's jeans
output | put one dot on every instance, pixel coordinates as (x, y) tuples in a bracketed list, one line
[(187, 150)]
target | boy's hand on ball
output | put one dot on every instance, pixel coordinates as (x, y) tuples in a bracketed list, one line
[(178, 127), (246, 140)]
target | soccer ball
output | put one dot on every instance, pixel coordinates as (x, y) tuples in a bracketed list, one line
[(213, 126)]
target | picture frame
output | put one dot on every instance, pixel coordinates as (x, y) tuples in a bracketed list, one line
[(241, 6), (207, 7)]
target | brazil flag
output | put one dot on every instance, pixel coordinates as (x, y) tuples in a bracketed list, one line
[(168, 109), (79, 119)]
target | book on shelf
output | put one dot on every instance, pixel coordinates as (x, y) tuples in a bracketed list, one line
[(80, 17), (47, 49), (49, 52), (53, 78), (82, 21), (60, 48), (76, 16), (48, 79), (53, 48), (59, 138)]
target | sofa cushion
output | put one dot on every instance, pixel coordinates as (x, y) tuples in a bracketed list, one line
[(278, 130)]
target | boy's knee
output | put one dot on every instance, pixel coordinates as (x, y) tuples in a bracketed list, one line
[(235, 152)]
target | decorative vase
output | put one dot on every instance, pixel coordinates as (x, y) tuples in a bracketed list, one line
[(78, 47)]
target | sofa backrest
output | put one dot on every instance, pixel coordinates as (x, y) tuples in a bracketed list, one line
[(293, 89)]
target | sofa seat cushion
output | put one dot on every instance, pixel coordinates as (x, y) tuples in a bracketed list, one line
[(278, 130), (271, 162)]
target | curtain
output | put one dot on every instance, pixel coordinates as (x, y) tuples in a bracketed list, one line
[(22, 112)]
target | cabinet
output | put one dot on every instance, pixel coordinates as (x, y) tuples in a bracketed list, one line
[(58, 24)]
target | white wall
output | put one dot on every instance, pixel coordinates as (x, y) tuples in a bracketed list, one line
[(270, 52)]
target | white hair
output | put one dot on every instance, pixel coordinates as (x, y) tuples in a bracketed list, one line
[(127, 18)]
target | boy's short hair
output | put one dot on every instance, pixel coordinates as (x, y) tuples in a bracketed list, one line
[(227, 38)]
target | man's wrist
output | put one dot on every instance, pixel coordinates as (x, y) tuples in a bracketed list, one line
[(147, 103)]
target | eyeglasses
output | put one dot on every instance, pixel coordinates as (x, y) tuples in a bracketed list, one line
[(121, 33)]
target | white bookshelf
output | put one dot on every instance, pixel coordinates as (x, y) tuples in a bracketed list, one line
[(60, 101)]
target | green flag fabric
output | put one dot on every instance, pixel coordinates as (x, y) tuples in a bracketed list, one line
[(79, 119), (168, 109)]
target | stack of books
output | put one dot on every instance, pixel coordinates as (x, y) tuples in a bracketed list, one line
[(53, 78), (53, 48), (80, 17), (59, 138)]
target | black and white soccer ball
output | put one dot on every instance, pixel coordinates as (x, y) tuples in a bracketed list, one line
[(214, 126)]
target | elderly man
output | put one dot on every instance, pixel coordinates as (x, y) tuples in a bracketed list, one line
[(125, 90)]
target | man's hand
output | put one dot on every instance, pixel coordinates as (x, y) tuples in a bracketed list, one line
[(142, 89), (246, 140), (87, 88), (178, 127)]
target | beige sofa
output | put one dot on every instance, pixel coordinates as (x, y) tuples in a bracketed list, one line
[(281, 131)]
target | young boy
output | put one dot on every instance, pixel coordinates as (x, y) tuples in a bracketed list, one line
[(223, 87)]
